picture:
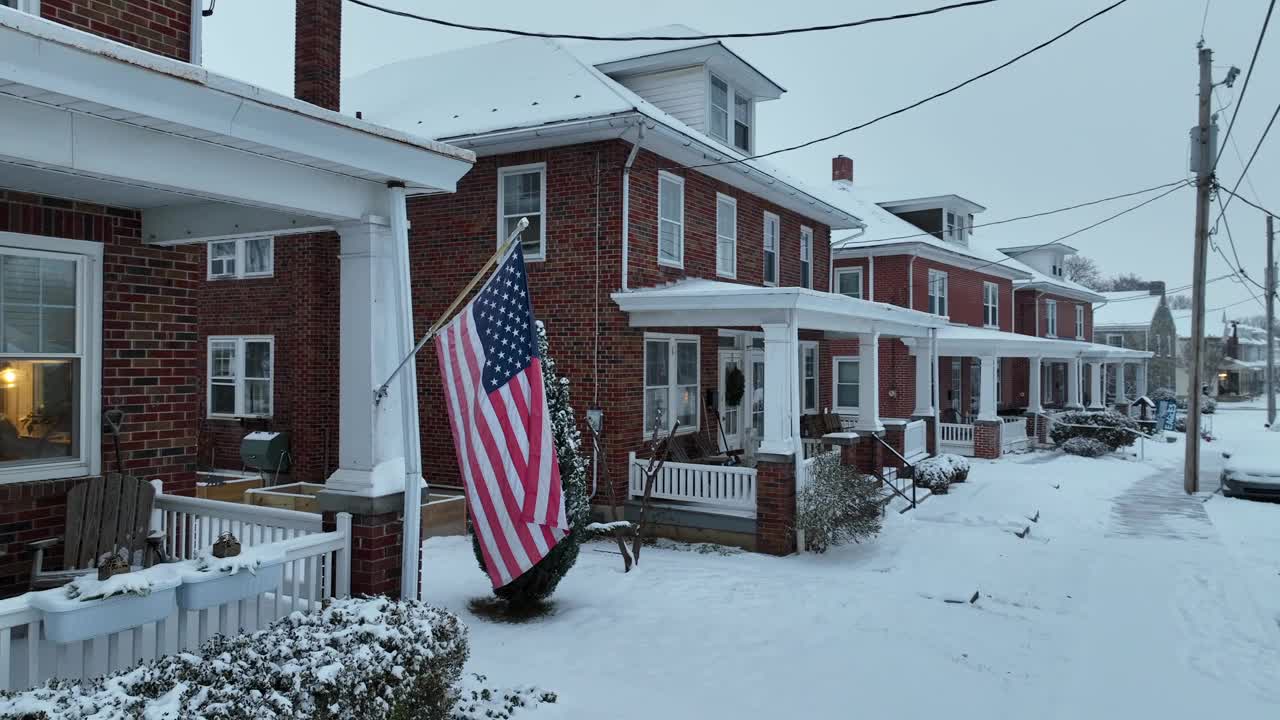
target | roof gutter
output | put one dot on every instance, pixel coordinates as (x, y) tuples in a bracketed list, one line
[(626, 205)]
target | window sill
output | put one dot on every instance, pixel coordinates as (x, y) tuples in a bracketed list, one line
[(212, 416), (728, 276), (991, 327), (768, 283), (677, 264), (684, 430), (40, 471)]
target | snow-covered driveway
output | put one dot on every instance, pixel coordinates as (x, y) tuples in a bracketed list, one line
[(1126, 600)]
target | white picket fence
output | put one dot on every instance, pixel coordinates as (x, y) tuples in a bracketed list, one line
[(915, 440), (714, 488), (813, 447), (956, 438), (316, 566)]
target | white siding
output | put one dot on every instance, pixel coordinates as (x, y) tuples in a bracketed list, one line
[(681, 93)]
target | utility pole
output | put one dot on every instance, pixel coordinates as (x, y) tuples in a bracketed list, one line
[(1271, 324), (1204, 183)]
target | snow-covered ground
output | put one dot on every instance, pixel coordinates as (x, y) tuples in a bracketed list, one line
[(1128, 599)]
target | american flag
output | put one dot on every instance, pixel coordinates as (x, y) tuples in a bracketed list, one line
[(501, 427)]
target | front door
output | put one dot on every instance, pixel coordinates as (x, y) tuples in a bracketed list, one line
[(729, 433)]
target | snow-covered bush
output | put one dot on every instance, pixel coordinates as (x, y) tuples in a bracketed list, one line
[(937, 473), (1208, 406), (1163, 393), (1085, 447), (541, 580), (1108, 427), (838, 505), (367, 658)]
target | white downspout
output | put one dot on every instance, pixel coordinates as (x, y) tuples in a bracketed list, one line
[(196, 48), (626, 204), (871, 273), (408, 397), (911, 282)]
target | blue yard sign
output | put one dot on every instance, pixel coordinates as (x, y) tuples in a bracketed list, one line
[(1167, 412)]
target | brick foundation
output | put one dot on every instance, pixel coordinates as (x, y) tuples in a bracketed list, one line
[(896, 436), (986, 439), (1039, 427), (376, 549), (865, 454), (775, 507)]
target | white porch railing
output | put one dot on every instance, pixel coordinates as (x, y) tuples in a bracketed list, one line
[(1013, 434), (714, 487), (956, 438), (316, 566), (813, 447), (915, 441)]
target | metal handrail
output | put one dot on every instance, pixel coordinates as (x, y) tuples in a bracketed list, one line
[(906, 462)]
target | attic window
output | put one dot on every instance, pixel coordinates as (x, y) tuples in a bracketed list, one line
[(720, 124), (957, 228)]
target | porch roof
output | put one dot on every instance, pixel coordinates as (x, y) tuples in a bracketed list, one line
[(91, 119), (695, 302), (975, 341)]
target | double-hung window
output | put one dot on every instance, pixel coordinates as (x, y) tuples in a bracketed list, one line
[(808, 377), (50, 345), (1051, 318), (772, 239), (957, 230), (990, 304), (240, 376), (670, 219), (1079, 322), (726, 236), (670, 382), (241, 258), (1115, 340), (849, 282), (806, 257), (522, 193), (731, 115), (937, 292), (845, 393)]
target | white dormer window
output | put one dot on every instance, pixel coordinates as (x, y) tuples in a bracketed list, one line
[(957, 228), (731, 115)]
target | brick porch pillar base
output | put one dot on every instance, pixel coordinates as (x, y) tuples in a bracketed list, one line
[(986, 439), (775, 505), (377, 534), (1039, 425), (896, 435), (865, 454)]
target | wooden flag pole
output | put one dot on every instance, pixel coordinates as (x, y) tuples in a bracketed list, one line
[(502, 250)]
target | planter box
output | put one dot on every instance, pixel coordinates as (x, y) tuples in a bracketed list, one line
[(202, 590), (294, 496), (444, 515), (68, 621), (227, 488)]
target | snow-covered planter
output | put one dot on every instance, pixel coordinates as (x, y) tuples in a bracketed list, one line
[(838, 505), (366, 658), (937, 473), (218, 581), (1108, 427), (88, 607), (1085, 447)]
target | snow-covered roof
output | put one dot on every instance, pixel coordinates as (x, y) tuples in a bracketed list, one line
[(970, 340), (1126, 309), (1050, 283)]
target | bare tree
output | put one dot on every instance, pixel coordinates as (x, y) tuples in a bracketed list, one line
[(1126, 281), (1179, 302), (1083, 270)]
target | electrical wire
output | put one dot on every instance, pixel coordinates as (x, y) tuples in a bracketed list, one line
[(634, 38), (1246, 201), (1253, 61), (1216, 309), (1204, 22), (1167, 291), (1252, 157), (1238, 267)]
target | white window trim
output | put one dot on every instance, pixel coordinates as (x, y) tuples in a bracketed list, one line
[(1079, 321), (939, 290), (679, 261), (994, 306), (240, 341), (1051, 318), (732, 272), (805, 346), (835, 384), (503, 172), (848, 271), (88, 256), (672, 384), (240, 273), (28, 6), (1118, 336), (731, 93), (777, 249), (806, 233)]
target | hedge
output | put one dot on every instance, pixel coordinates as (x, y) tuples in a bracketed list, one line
[(1108, 427)]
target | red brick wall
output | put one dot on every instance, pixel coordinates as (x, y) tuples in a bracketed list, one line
[(317, 52), (149, 362), (297, 306), (159, 26), (964, 287), (1032, 303)]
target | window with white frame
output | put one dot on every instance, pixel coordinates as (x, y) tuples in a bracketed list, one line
[(50, 345), (1051, 318), (27, 6), (937, 292), (772, 239), (845, 390), (990, 304), (731, 114), (956, 229), (241, 258), (670, 219), (1115, 340), (999, 384), (522, 193), (726, 236), (671, 369), (808, 377), (806, 257), (1079, 322), (849, 282), (241, 375)]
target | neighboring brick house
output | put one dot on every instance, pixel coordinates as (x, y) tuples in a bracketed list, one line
[(1140, 321)]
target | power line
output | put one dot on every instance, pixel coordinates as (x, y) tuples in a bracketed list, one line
[(918, 103), (1235, 146), (1252, 157), (1204, 22), (1247, 76), (1239, 266), (1167, 291), (1209, 310), (1246, 201), (853, 241), (634, 38)]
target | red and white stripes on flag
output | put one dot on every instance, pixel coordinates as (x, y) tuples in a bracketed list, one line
[(501, 428)]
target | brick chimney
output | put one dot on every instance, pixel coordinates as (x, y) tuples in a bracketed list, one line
[(1155, 287), (842, 171), (317, 52)]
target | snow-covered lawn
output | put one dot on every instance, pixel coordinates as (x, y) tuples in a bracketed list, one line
[(1127, 600)]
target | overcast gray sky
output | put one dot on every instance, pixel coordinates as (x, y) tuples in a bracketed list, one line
[(1104, 111)]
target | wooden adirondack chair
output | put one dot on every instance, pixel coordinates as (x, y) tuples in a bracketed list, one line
[(103, 514)]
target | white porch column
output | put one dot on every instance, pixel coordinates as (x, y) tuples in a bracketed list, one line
[(869, 383), (370, 438), (781, 353), (1120, 373), (924, 380), (1140, 378), (1073, 384), (987, 393), (1095, 386), (1033, 387)]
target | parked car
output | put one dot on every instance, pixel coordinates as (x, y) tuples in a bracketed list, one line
[(1253, 473)]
